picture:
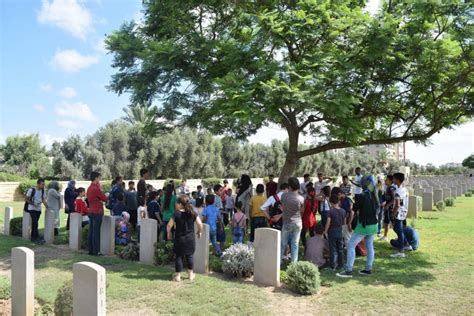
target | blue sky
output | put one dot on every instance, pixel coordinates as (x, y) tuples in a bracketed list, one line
[(54, 70)]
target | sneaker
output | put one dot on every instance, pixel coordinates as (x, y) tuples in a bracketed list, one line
[(384, 238), (191, 275), (345, 274), (365, 272), (398, 255), (408, 248), (177, 278)]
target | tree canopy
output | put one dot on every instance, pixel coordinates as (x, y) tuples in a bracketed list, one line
[(323, 68), (468, 162)]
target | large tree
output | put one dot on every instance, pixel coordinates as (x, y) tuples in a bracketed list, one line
[(323, 68)]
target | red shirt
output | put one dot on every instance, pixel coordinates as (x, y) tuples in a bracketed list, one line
[(95, 196), (81, 207), (310, 209)]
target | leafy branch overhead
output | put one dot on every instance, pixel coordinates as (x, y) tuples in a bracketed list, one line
[(322, 68)]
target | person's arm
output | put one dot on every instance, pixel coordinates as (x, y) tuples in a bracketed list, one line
[(350, 218), (169, 227), (355, 183), (266, 205), (396, 204), (328, 224), (199, 227), (302, 207)]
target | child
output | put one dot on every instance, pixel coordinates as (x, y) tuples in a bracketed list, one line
[(257, 217), (153, 210), (122, 230), (399, 213), (229, 203), (120, 206), (336, 218), (346, 204), (223, 218), (81, 207), (210, 216), (387, 204), (317, 248), (184, 242), (345, 186), (309, 215), (324, 204), (141, 214), (238, 224)]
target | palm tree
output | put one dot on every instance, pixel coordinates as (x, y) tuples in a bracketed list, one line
[(144, 117)]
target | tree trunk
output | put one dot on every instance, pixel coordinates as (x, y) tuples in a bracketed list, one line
[(288, 169)]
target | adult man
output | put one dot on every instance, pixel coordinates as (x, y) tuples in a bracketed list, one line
[(293, 208), (131, 186), (345, 185), (357, 180), (95, 196), (199, 192), (183, 188), (400, 211), (303, 185), (272, 213), (271, 186), (34, 198), (141, 186), (131, 204), (321, 183)]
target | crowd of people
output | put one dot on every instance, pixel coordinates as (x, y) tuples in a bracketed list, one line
[(348, 215)]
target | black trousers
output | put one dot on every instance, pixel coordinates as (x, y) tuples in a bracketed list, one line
[(35, 216), (336, 255), (178, 263)]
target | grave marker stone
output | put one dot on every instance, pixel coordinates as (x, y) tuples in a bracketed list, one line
[(267, 257), (26, 226), (6, 221), (48, 226), (107, 236), (148, 237), (23, 281), (438, 195), (88, 289), (75, 231), (427, 201), (201, 254)]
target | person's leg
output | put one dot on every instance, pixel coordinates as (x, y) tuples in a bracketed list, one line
[(57, 222), (190, 261), (295, 232), (215, 244), (252, 229), (340, 255), (178, 264), (398, 228), (380, 219), (91, 234), (96, 236), (285, 234), (35, 216), (303, 236), (386, 223), (226, 219), (324, 218), (165, 232), (369, 244), (67, 222), (332, 251), (353, 242)]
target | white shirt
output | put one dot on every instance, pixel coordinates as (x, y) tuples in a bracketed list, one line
[(402, 195), (319, 185), (303, 187), (358, 179), (37, 199), (141, 209), (270, 201)]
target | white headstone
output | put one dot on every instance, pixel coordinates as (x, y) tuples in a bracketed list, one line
[(6, 220), (454, 191), (413, 206), (26, 226), (107, 236), (201, 254), (49, 226), (75, 231), (88, 289), (23, 281), (446, 193), (148, 236), (419, 191), (267, 257), (438, 195), (427, 201)]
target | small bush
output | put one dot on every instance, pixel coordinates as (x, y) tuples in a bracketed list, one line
[(130, 252), (85, 237), (5, 288), (283, 277), (164, 253), (210, 182), (10, 177), (440, 206), (468, 194), (46, 309), (24, 186), (449, 201), (237, 260), (16, 226), (215, 264), (63, 301), (106, 186), (303, 278)]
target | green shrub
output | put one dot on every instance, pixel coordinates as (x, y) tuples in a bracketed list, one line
[(283, 277), (215, 264), (46, 309), (10, 177), (210, 182), (130, 252), (85, 237), (24, 186), (164, 253), (440, 206), (63, 301), (449, 201), (468, 194), (106, 186), (237, 260), (5, 288), (177, 182), (16, 226), (303, 278)]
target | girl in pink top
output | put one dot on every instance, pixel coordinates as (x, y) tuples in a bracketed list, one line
[(238, 224)]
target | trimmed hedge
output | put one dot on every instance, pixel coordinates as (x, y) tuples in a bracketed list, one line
[(210, 182), (449, 201), (9, 177), (303, 278), (16, 226), (440, 206)]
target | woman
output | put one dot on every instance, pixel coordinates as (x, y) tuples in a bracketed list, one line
[(245, 192), (54, 203), (309, 216), (184, 242), (168, 202), (366, 207), (96, 199), (70, 196)]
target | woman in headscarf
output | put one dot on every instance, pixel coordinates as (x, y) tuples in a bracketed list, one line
[(245, 192), (70, 196), (54, 203), (365, 208)]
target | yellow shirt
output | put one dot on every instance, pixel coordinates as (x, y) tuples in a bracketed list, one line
[(255, 202)]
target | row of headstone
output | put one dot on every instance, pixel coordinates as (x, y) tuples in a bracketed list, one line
[(88, 285)]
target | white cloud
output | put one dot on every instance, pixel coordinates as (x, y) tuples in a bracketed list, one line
[(70, 60), (99, 46), (38, 107), (68, 92), (78, 110), (46, 87), (68, 15), (68, 124), (48, 140)]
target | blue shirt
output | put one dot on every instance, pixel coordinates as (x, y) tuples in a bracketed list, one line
[(212, 214), (118, 209)]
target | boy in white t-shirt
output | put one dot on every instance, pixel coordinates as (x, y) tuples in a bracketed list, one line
[(400, 210), (141, 214)]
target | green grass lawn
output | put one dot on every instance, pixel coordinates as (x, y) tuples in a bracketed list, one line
[(436, 279)]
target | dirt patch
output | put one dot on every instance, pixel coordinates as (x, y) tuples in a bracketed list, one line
[(5, 307)]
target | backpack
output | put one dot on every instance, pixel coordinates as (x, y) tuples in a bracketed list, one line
[(275, 210), (32, 195)]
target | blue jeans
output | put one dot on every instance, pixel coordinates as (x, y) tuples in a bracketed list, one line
[(95, 222), (215, 244), (380, 219), (324, 218), (369, 244), (238, 235), (291, 232), (335, 249), (398, 228)]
